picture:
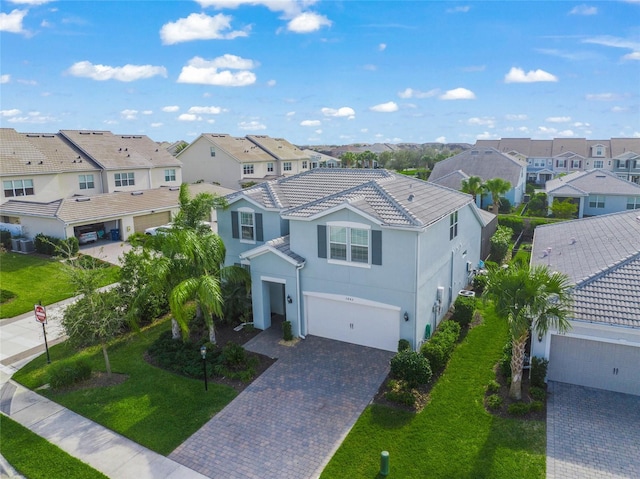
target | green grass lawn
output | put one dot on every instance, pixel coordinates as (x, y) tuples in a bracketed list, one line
[(453, 437), (36, 458), (34, 278), (157, 409)]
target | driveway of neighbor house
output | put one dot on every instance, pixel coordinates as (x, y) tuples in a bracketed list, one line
[(592, 433), (109, 251), (288, 423)]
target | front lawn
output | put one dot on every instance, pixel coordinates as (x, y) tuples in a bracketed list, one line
[(33, 278), (153, 407), (453, 436), (36, 458)]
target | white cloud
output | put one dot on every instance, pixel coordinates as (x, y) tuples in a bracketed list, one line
[(566, 133), (5, 78), (310, 123), (170, 108), (189, 117), (458, 94), (207, 72), (411, 93), (460, 9), (619, 109), (156, 125), (485, 136), (370, 67), (487, 121), (632, 56), (519, 117), (517, 75), (206, 110), (147, 112), (34, 117), (441, 139), (617, 42), (30, 2), (344, 111), (251, 125), (308, 22), (318, 132), (12, 22), (12, 112), (291, 113), (200, 26), (126, 73), (583, 10), (129, 114), (271, 83), (558, 119), (602, 96), (388, 107), (382, 47)]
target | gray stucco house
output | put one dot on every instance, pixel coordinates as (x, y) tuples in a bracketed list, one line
[(362, 256), (601, 256)]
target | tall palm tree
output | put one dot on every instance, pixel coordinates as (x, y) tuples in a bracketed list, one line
[(528, 298), (474, 186), (193, 211), (497, 187)]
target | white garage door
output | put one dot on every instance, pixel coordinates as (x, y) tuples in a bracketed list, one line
[(595, 364), (141, 223), (353, 320)]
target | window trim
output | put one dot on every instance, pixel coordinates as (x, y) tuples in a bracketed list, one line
[(246, 211), (349, 226), (168, 175), (248, 169), (633, 202), (130, 178), (596, 162), (270, 167), (594, 201), (287, 166), (84, 180), (212, 151), (453, 225), (23, 188)]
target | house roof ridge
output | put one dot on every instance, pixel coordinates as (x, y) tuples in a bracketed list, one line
[(413, 219), (587, 280)]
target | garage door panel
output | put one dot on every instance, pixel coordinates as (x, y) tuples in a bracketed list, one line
[(141, 223), (595, 364)]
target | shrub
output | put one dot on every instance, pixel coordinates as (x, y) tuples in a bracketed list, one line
[(505, 206), (538, 371), (464, 307), (514, 222), (403, 345), (480, 283), (439, 348), (493, 386), (411, 367), (233, 354), (494, 401), (182, 357), (518, 408), (538, 205), (67, 372), (500, 242), (5, 239), (536, 406), (286, 331), (399, 392), (537, 393)]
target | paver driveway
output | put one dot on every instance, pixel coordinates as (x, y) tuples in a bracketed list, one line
[(592, 433), (288, 423)]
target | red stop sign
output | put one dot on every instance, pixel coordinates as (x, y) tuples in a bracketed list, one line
[(41, 313)]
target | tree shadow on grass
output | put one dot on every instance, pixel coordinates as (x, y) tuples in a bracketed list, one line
[(390, 418)]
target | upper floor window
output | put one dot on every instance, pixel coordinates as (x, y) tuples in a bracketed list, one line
[(596, 201), (349, 244), (304, 164), (633, 202), (124, 179), (286, 166), (247, 169), (597, 150), (247, 226), (269, 167), (623, 164), (17, 188), (453, 225), (561, 163), (212, 151), (86, 182), (576, 163), (170, 175)]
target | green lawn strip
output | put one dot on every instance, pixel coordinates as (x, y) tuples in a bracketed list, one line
[(36, 458), (34, 279), (154, 408), (453, 436)]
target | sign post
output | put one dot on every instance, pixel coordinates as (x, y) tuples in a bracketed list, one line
[(41, 317)]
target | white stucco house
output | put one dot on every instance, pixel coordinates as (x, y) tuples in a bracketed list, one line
[(362, 256), (601, 256)]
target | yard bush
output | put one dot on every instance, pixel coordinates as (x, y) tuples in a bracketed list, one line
[(51, 246), (518, 408), (537, 394), (287, 334), (439, 348), (403, 345), (536, 406), (500, 242), (68, 372), (494, 401), (411, 367), (464, 307), (181, 357), (538, 371), (493, 386), (514, 222), (505, 206), (398, 391), (5, 239), (479, 283)]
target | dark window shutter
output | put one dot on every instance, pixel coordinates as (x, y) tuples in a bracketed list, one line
[(235, 230), (322, 241), (259, 232), (376, 247)]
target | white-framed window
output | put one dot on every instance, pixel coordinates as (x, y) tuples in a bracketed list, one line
[(170, 175), (596, 201), (633, 202), (561, 163), (576, 163), (453, 225), (212, 151), (17, 188), (538, 163), (623, 164), (86, 182), (124, 179), (350, 244), (247, 169), (598, 163), (247, 225), (286, 166), (598, 150), (304, 164), (269, 167)]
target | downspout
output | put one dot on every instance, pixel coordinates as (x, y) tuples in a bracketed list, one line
[(415, 314), (298, 268)]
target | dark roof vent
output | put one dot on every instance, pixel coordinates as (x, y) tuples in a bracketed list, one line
[(84, 198), (411, 197), (136, 193)]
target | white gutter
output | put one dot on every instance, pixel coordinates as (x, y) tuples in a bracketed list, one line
[(415, 314), (298, 268)]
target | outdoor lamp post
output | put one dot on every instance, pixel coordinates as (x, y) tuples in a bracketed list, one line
[(203, 353)]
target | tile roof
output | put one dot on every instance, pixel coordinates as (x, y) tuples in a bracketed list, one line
[(601, 256), (551, 148), (487, 163), (596, 181), (240, 148), (392, 199), (283, 246), (451, 180), (278, 147)]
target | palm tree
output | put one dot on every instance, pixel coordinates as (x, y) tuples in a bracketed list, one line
[(528, 298), (348, 159), (497, 187), (474, 186), (193, 211)]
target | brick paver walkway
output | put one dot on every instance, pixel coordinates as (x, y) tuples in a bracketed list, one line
[(592, 433), (288, 423)]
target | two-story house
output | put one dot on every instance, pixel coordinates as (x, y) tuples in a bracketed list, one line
[(357, 255), (237, 161)]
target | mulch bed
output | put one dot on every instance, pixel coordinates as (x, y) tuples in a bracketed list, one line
[(506, 400)]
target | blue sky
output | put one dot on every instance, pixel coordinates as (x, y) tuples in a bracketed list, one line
[(323, 72)]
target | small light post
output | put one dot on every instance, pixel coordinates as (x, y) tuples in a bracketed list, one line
[(203, 353)]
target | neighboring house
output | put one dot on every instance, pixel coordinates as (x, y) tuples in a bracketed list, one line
[(486, 163), (320, 160), (546, 159), (236, 161), (601, 256), (596, 192), (357, 255)]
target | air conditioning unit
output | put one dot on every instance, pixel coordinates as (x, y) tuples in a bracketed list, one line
[(469, 294)]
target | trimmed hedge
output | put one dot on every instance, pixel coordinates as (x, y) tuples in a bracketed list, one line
[(463, 309), (5, 239), (500, 243), (538, 371), (514, 222), (411, 367), (403, 345), (439, 348), (51, 246)]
